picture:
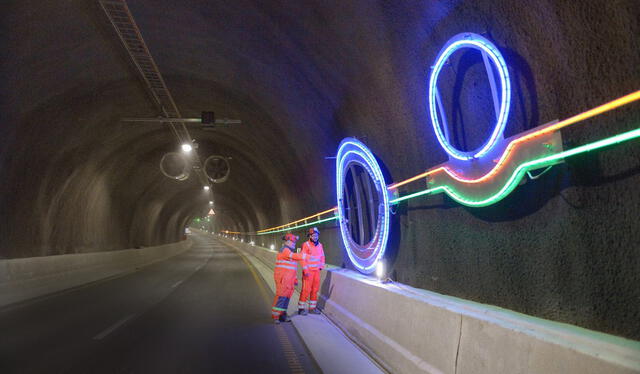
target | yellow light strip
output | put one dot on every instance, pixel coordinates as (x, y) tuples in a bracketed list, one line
[(503, 159), (635, 96), (300, 220)]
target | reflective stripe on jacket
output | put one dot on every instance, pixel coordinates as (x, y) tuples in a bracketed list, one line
[(315, 256), (286, 260)]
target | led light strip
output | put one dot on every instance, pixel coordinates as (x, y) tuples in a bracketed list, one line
[(624, 100), (299, 226), (300, 220), (353, 152), (511, 147), (288, 225), (521, 170)]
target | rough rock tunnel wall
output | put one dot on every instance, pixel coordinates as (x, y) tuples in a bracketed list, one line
[(302, 76)]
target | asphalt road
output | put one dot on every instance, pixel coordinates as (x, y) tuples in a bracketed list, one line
[(200, 312)]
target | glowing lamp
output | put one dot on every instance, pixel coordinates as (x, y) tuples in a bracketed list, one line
[(186, 148), (380, 270)]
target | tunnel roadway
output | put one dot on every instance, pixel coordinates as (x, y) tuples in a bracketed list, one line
[(203, 311)]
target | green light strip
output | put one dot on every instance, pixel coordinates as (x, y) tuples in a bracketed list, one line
[(522, 169), (420, 193), (300, 226), (511, 183)]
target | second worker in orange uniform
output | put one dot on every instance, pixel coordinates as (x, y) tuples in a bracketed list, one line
[(311, 268)]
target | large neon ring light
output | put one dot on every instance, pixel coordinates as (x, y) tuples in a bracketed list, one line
[(364, 257), (470, 40)]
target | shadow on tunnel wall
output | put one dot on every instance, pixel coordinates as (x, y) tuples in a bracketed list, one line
[(471, 114), (326, 288), (395, 231), (583, 170)]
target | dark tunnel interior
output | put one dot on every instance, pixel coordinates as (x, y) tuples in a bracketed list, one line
[(301, 76)]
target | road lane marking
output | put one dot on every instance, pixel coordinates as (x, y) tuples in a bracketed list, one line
[(289, 353), (256, 277), (113, 327), (177, 284)]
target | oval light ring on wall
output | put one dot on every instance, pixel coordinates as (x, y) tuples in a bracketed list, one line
[(471, 40), (364, 257)]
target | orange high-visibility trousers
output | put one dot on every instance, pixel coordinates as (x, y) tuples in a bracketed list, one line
[(285, 278), (311, 267), (310, 287), (285, 284)]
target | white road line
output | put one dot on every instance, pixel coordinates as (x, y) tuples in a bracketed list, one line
[(177, 284), (113, 327)]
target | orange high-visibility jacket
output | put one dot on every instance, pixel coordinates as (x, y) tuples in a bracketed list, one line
[(315, 256), (286, 261)]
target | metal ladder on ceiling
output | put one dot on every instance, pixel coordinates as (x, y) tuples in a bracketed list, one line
[(125, 26)]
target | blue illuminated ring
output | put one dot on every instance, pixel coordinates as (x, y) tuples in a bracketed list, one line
[(364, 257), (470, 40)]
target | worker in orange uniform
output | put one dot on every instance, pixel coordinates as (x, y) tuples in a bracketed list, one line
[(285, 276), (311, 268)]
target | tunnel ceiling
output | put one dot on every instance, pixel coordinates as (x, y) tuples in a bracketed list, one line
[(303, 75), (300, 76), (71, 160)]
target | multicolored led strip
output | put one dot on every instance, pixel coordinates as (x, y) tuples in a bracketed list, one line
[(521, 171), (504, 160), (292, 224), (288, 228), (474, 178), (627, 99)]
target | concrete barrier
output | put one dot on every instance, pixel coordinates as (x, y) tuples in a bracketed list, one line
[(409, 330), (25, 278), (417, 331)]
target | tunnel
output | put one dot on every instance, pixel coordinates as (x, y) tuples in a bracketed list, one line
[(472, 168)]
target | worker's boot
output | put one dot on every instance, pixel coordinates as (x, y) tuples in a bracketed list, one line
[(276, 321), (315, 311), (302, 312), (285, 318)]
